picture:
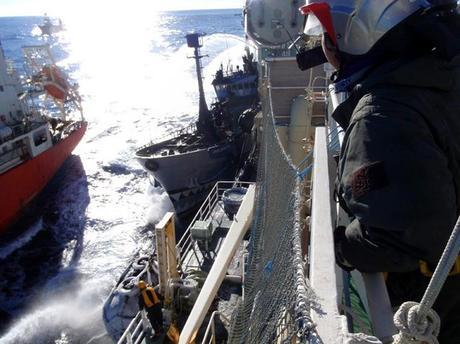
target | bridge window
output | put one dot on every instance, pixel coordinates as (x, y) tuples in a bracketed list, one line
[(40, 137)]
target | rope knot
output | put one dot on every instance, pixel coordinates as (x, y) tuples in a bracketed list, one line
[(412, 329)]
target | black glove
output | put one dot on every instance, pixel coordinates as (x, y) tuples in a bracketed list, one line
[(339, 237)]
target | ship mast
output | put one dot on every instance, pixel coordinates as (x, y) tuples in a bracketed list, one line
[(194, 40)]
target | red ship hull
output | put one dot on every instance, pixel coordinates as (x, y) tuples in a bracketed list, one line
[(22, 183)]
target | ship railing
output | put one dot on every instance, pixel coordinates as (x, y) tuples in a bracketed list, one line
[(137, 329), (211, 328), (20, 130), (37, 56), (13, 149), (189, 129), (70, 128), (206, 212)]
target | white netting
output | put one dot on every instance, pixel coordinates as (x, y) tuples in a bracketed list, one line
[(276, 303)]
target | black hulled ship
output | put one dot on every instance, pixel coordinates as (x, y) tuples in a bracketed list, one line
[(189, 161)]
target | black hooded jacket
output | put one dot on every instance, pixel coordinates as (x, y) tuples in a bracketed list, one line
[(399, 169)]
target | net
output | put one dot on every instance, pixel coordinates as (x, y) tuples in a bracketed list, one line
[(277, 299)]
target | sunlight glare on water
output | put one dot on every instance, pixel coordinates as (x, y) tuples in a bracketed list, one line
[(116, 51), (135, 86)]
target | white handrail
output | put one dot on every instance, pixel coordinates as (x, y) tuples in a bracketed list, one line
[(136, 330), (211, 327), (322, 259), (186, 243), (216, 275)]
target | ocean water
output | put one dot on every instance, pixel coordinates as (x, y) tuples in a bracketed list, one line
[(137, 83)]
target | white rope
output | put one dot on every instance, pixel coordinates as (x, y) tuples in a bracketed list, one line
[(411, 329), (419, 322)]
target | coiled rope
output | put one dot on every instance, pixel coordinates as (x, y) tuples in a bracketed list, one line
[(419, 323)]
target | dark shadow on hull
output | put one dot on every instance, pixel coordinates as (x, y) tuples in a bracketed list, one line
[(59, 211)]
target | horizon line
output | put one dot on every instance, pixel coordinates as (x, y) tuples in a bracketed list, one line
[(171, 10)]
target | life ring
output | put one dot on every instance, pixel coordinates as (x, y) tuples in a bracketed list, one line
[(55, 83)]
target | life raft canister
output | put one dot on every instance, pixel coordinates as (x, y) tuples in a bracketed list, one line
[(55, 83)]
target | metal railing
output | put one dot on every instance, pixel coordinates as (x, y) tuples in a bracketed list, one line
[(189, 129), (211, 328), (140, 325), (136, 330), (22, 129), (204, 213)]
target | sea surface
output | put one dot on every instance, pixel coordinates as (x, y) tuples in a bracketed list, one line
[(137, 84)]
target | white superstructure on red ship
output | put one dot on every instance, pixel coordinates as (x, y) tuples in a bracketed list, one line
[(34, 142)]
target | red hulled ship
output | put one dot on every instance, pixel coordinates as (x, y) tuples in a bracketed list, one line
[(37, 129)]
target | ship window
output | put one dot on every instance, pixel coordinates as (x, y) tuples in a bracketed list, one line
[(40, 137), (1, 88)]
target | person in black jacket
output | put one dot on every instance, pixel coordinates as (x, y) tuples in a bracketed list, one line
[(399, 166), (149, 300)]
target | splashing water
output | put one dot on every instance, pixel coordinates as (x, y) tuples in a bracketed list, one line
[(136, 83), (9, 247)]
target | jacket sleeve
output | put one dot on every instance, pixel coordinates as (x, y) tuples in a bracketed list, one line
[(396, 182)]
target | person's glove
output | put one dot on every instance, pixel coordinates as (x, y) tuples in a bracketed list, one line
[(339, 237)]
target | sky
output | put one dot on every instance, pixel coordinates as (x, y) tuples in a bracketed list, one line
[(65, 7)]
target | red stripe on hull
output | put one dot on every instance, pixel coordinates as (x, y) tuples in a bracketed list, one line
[(22, 183)]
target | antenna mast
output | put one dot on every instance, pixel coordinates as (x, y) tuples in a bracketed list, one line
[(194, 40)]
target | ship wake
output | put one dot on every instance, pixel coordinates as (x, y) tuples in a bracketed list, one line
[(65, 318), (8, 248)]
